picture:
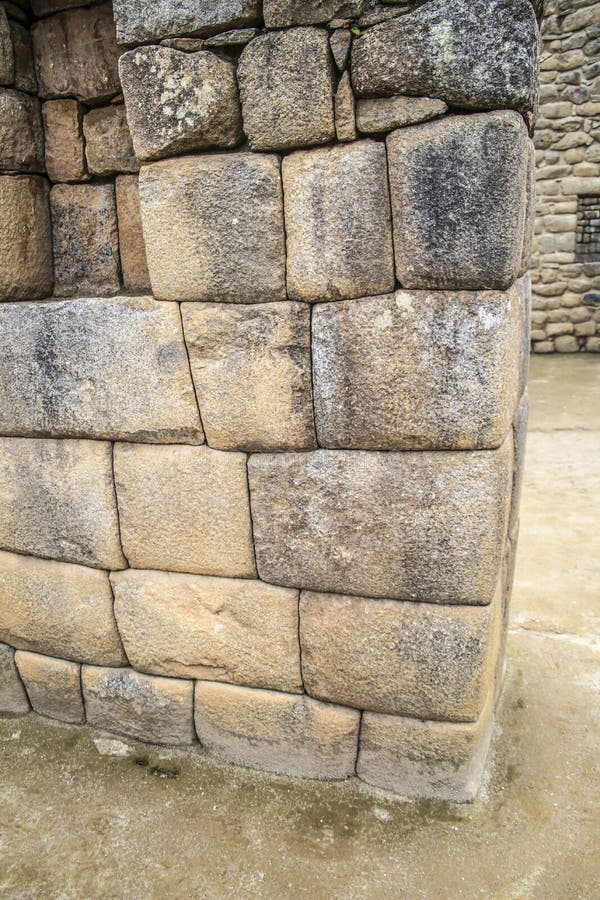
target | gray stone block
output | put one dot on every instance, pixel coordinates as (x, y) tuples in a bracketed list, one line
[(21, 133), (139, 21)]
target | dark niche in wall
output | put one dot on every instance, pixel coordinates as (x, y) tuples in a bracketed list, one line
[(588, 229)]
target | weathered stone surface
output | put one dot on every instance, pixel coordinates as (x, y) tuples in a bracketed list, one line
[(21, 133), (132, 248), (214, 228), (530, 210), (281, 733), (179, 101), (85, 239), (339, 43), (337, 221), (45, 7), (345, 121), (76, 55), (286, 87), (53, 686), (139, 21), (281, 13), (13, 699), (381, 114), (429, 760), (25, 238), (113, 369), (185, 509), (476, 54), (417, 370), (158, 710), (108, 146), (458, 201), (63, 132), (216, 629), (406, 659), (520, 444), (251, 366), (58, 609), (418, 526), (59, 501), (7, 57), (25, 79)]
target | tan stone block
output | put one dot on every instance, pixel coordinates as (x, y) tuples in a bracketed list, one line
[(65, 151), (213, 226), (337, 221), (108, 146), (132, 248), (184, 509), (251, 366), (282, 733), (158, 710), (408, 659), (25, 79), (425, 759), (13, 699), (110, 369), (216, 629), (53, 686), (417, 370), (58, 609), (26, 272), (566, 344), (417, 526), (345, 121), (376, 115)]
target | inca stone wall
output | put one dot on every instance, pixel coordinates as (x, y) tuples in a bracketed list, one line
[(566, 249), (263, 351)]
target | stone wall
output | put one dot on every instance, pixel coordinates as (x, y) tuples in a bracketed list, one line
[(566, 249), (264, 403)]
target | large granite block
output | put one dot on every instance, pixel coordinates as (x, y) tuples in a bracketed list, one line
[(282, 13), (26, 272), (21, 133), (139, 21)]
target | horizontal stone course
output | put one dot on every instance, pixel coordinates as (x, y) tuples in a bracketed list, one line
[(53, 686)]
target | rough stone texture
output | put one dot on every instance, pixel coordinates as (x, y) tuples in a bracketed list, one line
[(345, 121), (21, 133), (286, 734), (529, 224), (158, 710), (252, 373), (286, 87), (85, 239), (337, 223), (76, 55), (45, 7), (407, 659), (281, 13), (63, 131), (139, 21), (25, 79), (7, 57), (108, 146), (419, 526), (339, 43), (520, 443), (58, 501), (216, 629), (59, 610), (458, 201), (214, 228), (185, 509), (417, 370), (475, 54), (132, 248), (109, 369), (381, 114), (13, 699), (53, 686), (179, 101), (25, 238), (429, 760)]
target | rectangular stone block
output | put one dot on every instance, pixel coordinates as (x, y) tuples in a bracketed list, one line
[(185, 509), (458, 188), (58, 501), (26, 272), (76, 55), (408, 659), (21, 133), (251, 366), (376, 115), (25, 79), (13, 699), (216, 629), (282, 13), (157, 710), (138, 21), (337, 222), (213, 226), (53, 686), (282, 733), (63, 131), (85, 239), (58, 609), (286, 87), (416, 526), (132, 249), (109, 369), (7, 57), (108, 145), (418, 370), (429, 760)]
